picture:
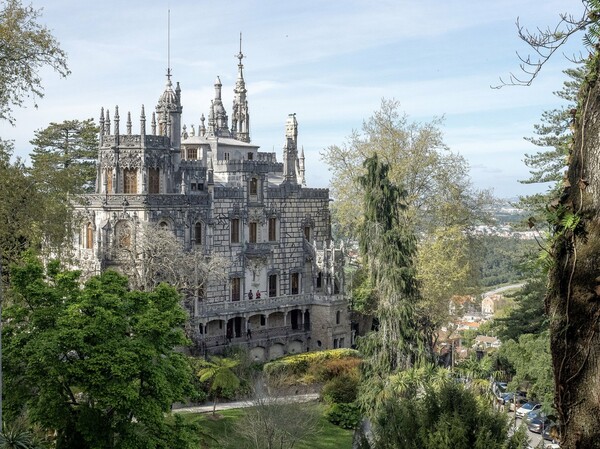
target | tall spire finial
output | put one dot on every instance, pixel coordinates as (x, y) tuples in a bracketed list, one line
[(169, 44), (240, 55)]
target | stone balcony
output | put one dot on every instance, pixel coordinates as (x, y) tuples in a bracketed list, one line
[(249, 306)]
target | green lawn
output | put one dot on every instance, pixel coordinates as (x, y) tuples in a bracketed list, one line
[(223, 430)]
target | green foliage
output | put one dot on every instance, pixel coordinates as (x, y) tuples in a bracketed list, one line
[(342, 389), (530, 359), (528, 314), (19, 204), (501, 259), (309, 367), (63, 165), (219, 373), (95, 363), (345, 415), (446, 416), (20, 434), (26, 49)]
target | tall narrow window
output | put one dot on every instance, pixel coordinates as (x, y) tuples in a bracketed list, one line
[(272, 285), (250, 156), (130, 180), (253, 231), (307, 233), (198, 234), (272, 229), (109, 183), (253, 186), (89, 236), (153, 180), (226, 156), (295, 282), (235, 230), (235, 289)]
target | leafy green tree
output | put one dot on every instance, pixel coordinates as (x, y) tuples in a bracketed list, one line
[(94, 363), (447, 416), (19, 203), (26, 48), (438, 190), (439, 197), (219, 372), (530, 360), (63, 164), (528, 314)]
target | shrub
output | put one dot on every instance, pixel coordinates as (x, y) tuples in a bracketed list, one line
[(347, 416), (309, 366), (342, 389)]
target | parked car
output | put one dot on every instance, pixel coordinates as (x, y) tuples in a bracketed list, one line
[(514, 400), (526, 408), (537, 413), (538, 424), (499, 389)]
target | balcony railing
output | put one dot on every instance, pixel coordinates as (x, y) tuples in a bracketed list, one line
[(254, 305)]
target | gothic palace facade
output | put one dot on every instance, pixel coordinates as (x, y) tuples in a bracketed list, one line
[(218, 193)]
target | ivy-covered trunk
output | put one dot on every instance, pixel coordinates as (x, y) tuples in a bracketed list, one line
[(573, 301)]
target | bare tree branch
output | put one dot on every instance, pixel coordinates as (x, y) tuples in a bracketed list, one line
[(545, 42)]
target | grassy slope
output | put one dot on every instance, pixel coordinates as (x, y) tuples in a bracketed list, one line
[(330, 437)]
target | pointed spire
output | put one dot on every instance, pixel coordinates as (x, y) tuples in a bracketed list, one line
[(107, 123), (116, 118), (240, 118), (153, 124), (143, 122), (128, 123), (101, 121)]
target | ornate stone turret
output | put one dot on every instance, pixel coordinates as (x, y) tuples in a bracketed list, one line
[(169, 111), (240, 118), (220, 115), (202, 128)]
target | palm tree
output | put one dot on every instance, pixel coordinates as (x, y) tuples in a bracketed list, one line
[(218, 371), (19, 435)]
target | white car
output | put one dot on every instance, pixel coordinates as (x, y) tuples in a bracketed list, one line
[(526, 408)]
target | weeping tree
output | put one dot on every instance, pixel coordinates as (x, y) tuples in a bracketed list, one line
[(388, 247)]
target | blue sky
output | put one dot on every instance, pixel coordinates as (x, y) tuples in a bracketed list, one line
[(330, 62)]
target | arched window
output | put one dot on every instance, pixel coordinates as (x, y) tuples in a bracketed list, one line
[(198, 234), (88, 240), (130, 180), (163, 225), (338, 317), (153, 180)]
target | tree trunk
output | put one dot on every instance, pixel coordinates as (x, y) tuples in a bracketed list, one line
[(573, 301)]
